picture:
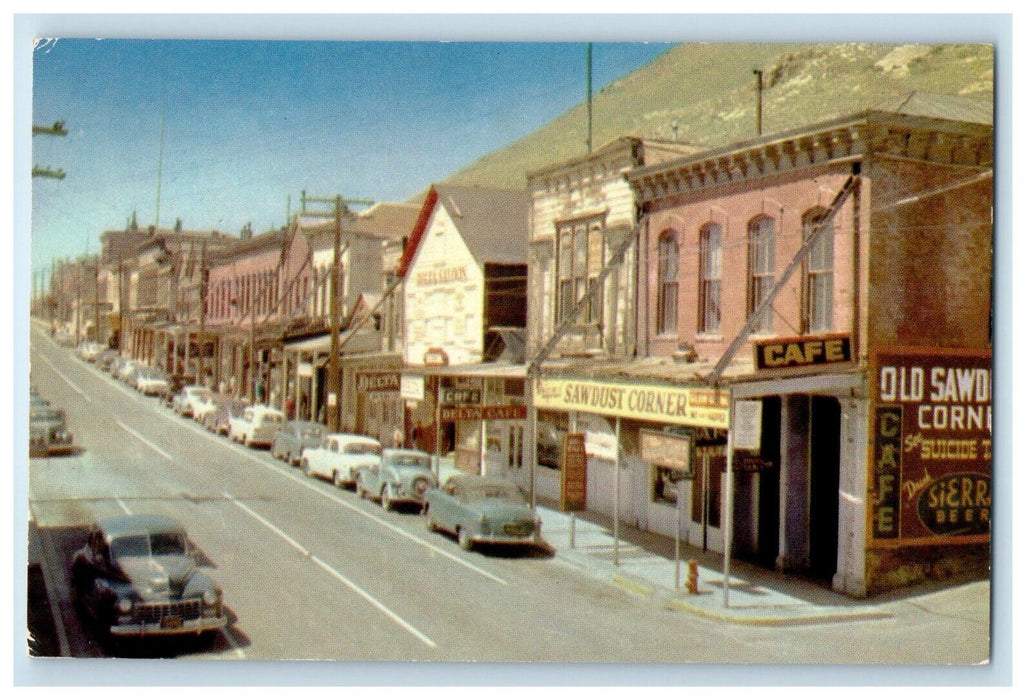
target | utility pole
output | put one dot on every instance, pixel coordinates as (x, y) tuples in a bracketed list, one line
[(760, 100), (588, 96), (333, 367), (96, 298), (202, 343)]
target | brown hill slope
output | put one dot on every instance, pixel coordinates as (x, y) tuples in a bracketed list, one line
[(709, 90)]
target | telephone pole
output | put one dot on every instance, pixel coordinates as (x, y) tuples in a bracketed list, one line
[(333, 367)]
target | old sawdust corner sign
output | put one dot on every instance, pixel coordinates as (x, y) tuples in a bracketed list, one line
[(931, 443)]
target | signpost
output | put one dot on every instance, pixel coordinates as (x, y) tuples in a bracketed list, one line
[(574, 473)]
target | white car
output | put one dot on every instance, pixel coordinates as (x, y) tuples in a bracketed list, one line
[(187, 400), (257, 425), (151, 382), (204, 407), (340, 458)]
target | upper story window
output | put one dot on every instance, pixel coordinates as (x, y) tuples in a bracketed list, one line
[(710, 279), (667, 284), (818, 275), (762, 268), (579, 260)]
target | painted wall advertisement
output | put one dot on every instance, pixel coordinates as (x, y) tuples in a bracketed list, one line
[(931, 447)]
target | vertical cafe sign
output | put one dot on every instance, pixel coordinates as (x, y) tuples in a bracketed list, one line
[(931, 447)]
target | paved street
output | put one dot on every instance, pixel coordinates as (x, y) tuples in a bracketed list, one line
[(312, 572)]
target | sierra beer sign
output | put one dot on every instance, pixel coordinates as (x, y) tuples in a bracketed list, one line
[(932, 447)]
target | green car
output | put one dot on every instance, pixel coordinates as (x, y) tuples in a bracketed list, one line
[(479, 510), (48, 431)]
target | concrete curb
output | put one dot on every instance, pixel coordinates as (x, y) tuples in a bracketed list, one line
[(769, 620)]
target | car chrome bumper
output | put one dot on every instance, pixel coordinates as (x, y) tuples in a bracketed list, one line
[(149, 629), (501, 538)]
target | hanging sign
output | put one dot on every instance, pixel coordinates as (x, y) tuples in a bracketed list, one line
[(411, 387), (747, 425), (666, 450), (657, 403)]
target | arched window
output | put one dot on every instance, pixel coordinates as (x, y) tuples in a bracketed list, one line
[(762, 268), (667, 284), (817, 298), (710, 279)]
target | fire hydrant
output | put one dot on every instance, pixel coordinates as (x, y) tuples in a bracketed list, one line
[(692, 582)]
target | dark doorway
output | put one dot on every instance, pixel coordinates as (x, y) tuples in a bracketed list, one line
[(825, 426)]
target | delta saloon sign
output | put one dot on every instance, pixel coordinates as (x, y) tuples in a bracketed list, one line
[(931, 447)]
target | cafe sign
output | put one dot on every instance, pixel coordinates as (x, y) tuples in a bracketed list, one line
[(786, 353), (931, 457), (657, 403)]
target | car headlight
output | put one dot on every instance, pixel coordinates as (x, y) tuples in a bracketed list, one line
[(124, 605), (210, 597)]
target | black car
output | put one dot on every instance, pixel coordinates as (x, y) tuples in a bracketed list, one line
[(48, 431), (136, 576)]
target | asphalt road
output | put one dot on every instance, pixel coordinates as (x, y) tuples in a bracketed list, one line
[(313, 572)]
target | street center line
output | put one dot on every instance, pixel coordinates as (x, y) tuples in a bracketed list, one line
[(333, 572), (144, 440), (62, 375)]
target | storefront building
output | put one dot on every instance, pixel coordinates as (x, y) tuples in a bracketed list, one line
[(836, 281), (464, 288)]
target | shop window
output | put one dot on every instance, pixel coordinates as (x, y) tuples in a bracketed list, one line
[(667, 283), (818, 275), (762, 268), (710, 279), (665, 485)]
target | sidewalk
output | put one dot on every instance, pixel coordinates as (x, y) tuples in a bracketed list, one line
[(646, 567)]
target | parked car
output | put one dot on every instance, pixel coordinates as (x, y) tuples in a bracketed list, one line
[(64, 338), (105, 358), (136, 575), (207, 405), (403, 476), (188, 399), (115, 368), (292, 439), (88, 350), (256, 425), (340, 457), (480, 510), (218, 421), (48, 431), (129, 371), (151, 382)]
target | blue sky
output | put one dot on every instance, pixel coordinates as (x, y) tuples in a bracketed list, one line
[(249, 124)]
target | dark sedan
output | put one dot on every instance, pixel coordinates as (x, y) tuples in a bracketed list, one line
[(293, 438), (137, 576), (48, 431)]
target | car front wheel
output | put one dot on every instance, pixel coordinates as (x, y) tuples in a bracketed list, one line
[(464, 539)]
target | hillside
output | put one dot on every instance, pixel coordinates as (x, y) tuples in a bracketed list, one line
[(710, 91)]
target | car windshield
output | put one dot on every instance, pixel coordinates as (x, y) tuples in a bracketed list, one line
[(157, 544), (503, 493), (312, 433), (411, 461), (361, 448)]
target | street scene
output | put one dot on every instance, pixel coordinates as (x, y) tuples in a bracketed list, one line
[(694, 365)]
